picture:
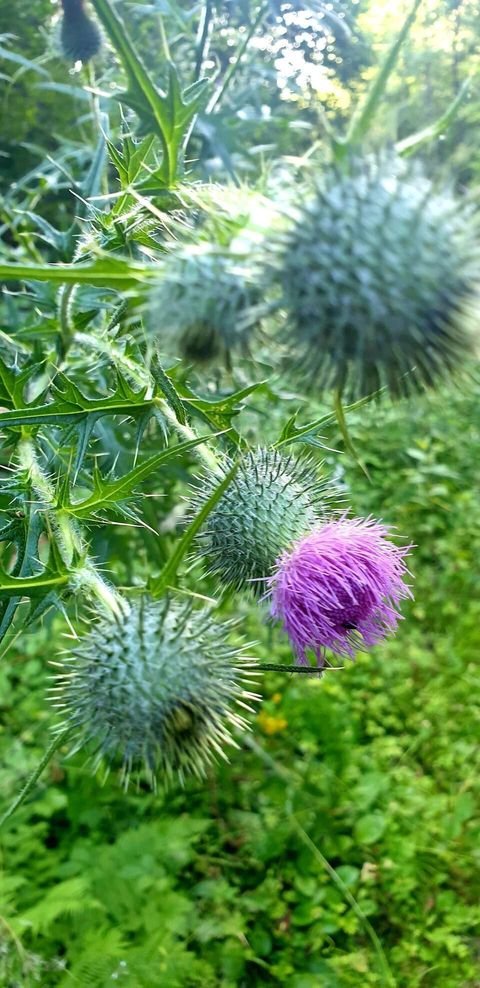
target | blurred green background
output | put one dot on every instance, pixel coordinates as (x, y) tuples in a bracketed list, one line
[(340, 846)]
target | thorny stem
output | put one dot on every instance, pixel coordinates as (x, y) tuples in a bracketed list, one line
[(48, 754), (142, 378), (187, 433), (66, 533)]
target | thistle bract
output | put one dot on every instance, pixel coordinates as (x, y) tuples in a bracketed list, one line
[(272, 501), (339, 588), (158, 688), (380, 282), (204, 306), (80, 37)]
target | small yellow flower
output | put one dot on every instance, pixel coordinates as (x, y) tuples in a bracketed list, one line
[(271, 725)]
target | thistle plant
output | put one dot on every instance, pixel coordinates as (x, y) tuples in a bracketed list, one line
[(156, 688), (204, 307), (380, 280), (80, 37), (103, 438), (273, 500), (339, 588)]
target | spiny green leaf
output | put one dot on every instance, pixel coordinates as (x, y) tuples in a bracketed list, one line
[(219, 412), (70, 405), (30, 586), (169, 115), (107, 493)]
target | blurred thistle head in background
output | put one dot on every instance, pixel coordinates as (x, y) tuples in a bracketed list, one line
[(80, 38), (204, 306), (272, 501), (155, 690), (339, 588), (380, 277)]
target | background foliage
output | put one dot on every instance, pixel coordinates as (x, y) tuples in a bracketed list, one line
[(351, 817)]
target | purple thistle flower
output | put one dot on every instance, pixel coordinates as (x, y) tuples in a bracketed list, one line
[(339, 587)]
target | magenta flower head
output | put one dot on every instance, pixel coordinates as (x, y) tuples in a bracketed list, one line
[(339, 588)]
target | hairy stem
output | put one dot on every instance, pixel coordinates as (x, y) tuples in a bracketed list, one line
[(347, 439), (187, 433), (30, 783), (67, 534)]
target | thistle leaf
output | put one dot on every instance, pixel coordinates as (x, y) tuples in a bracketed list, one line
[(111, 493), (169, 115)]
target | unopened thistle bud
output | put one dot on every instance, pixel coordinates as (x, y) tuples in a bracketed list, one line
[(380, 282), (339, 588), (156, 688), (203, 306), (80, 37), (272, 501)]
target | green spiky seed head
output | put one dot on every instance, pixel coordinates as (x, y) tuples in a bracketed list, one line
[(204, 306), (80, 38), (272, 501), (380, 281), (157, 689)]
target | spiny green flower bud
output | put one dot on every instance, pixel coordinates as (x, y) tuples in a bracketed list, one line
[(380, 281), (157, 687), (80, 37), (204, 306), (272, 501)]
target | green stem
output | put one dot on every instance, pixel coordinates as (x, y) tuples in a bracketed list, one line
[(167, 576), (188, 434), (203, 38), (68, 537), (65, 295), (342, 424), (278, 667), (229, 74), (363, 116), (164, 39), (50, 751), (286, 775), (387, 976)]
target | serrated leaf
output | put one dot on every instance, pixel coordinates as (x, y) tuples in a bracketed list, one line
[(70, 405), (30, 586), (169, 114), (108, 493), (48, 233), (219, 412)]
